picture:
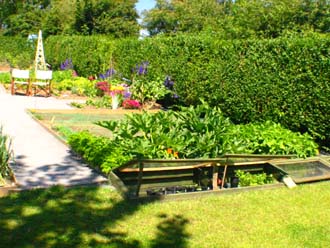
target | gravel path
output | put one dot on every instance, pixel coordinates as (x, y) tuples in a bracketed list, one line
[(41, 160)]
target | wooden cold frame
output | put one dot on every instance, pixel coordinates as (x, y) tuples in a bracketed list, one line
[(139, 175), (319, 165)]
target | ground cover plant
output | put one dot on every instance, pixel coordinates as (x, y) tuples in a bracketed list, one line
[(193, 132), (99, 217)]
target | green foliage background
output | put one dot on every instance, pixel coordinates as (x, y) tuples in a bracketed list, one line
[(285, 80), (16, 51), (90, 54)]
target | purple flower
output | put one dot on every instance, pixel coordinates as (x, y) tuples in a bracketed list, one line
[(127, 94), (66, 65), (175, 96), (141, 69), (168, 83), (102, 76), (108, 74)]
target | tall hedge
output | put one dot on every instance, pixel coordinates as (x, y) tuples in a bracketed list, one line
[(91, 55), (285, 80), (17, 51)]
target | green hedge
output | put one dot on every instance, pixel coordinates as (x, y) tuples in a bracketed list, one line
[(17, 51), (285, 80), (91, 55)]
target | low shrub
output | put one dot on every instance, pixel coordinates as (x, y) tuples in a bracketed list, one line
[(272, 138), (99, 102), (61, 75), (99, 152), (76, 85)]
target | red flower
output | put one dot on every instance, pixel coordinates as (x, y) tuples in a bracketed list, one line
[(131, 104)]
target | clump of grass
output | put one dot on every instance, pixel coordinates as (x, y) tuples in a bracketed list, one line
[(5, 157)]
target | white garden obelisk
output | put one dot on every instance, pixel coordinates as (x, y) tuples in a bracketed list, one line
[(40, 62)]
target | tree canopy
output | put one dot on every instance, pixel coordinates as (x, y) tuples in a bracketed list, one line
[(117, 18), (240, 18)]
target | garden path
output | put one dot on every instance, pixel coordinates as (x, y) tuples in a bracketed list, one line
[(41, 160)]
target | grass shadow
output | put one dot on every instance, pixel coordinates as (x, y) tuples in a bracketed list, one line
[(171, 232), (77, 217)]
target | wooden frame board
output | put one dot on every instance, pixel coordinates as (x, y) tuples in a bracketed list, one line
[(136, 176)]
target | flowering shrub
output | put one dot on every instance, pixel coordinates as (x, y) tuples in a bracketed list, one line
[(103, 87), (67, 65), (143, 88), (131, 104)]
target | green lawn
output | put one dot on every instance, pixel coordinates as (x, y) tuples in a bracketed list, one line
[(99, 217), (65, 121)]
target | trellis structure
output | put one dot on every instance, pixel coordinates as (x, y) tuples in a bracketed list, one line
[(40, 61)]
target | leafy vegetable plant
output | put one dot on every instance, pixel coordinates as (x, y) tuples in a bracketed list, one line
[(249, 179), (193, 132)]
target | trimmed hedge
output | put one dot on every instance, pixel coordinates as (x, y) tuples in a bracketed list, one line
[(285, 80), (91, 55), (17, 51)]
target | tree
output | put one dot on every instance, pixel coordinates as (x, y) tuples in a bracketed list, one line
[(60, 18), (239, 18), (190, 16), (7, 8), (114, 17), (23, 17)]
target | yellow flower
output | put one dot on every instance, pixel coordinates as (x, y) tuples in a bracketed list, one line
[(117, 88)]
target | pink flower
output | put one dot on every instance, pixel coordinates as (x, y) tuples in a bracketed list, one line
[(131, 104), (103, 86)]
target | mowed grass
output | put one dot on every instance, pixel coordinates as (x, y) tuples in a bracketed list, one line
[(99, 217), (64, 122)]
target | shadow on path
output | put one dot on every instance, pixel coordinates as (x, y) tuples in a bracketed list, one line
[(70, 172)]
